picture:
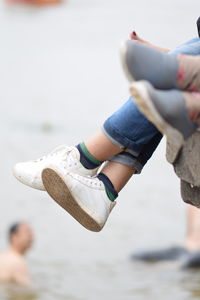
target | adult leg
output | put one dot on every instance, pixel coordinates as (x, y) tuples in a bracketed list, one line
[(188, 252), (192, 239)]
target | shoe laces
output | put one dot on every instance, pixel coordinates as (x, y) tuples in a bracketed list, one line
[(91, 181), (69, 158), (55, 152)]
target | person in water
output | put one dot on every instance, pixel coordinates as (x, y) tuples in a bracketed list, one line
[(13, 266)]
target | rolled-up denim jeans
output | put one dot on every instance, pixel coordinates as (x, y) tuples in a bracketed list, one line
[(129, 129)]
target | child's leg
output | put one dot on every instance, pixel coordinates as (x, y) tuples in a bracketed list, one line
[(118, 173), (90, 200), (101, 147), (128, 128), (125, 129), (122, 166)]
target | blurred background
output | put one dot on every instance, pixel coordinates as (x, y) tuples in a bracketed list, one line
[(60, 77)]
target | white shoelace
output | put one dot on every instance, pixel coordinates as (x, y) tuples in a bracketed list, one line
[(59, 149), (90, 181)]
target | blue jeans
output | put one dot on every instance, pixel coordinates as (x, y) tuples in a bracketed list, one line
[(128, 128)]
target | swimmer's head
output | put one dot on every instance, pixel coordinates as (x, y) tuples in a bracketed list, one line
[(21, 237)]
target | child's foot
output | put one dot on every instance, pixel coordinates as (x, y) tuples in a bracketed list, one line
[(171, 111), (163, 71), (84, 198), (65, 157)]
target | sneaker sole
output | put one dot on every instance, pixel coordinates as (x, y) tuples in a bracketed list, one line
[(147, 107), (57, 188)]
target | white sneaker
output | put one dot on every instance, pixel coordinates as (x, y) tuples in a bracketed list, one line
[(82, 197), (65, 157)]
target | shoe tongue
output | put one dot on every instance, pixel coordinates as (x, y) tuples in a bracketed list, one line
[(75, 153)]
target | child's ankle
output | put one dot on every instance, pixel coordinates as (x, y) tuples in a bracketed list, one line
[(110, 190), (86, 158)]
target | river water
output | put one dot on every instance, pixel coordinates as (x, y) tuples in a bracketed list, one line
[(60, 78)]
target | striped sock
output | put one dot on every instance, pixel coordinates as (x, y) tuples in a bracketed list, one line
[(110, 190), (86, 158)]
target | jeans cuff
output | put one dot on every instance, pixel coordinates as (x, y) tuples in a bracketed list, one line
[(128, 161), (116, 143)]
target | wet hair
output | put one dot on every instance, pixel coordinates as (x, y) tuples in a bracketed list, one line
[(13, 229)]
